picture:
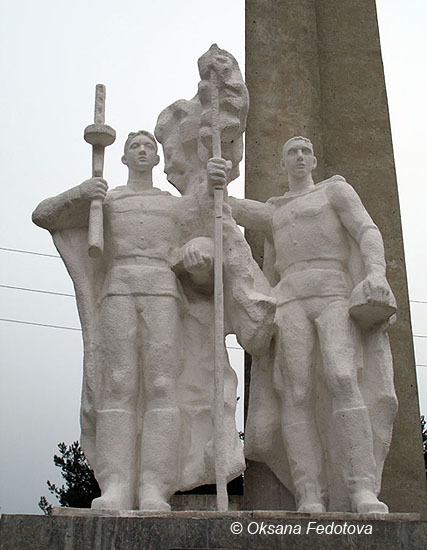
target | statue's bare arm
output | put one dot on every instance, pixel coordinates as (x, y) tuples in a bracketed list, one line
[(361, 227), (70, 208), (252, 214)]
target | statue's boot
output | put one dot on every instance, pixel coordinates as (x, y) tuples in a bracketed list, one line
[(160, 458), (115, 460), (304, 453), (353, 434)]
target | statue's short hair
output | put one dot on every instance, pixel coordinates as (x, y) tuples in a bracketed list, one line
[(295, 138), (132, 135)]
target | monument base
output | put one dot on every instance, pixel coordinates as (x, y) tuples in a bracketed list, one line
[(80, 529)]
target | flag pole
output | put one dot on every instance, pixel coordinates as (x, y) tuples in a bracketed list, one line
[(220, 453)]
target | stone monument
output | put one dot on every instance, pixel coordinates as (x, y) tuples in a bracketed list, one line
[(151, 272), (145, 299), (142, 264)]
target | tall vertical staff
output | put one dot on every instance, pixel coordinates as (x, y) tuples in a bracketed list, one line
[(220, 454), (99, 135)]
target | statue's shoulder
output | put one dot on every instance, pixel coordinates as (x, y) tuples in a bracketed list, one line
[(115, 192), (333, 181), (336, 182), (123, 191), (157, 191), (340, 193), (336, 186), (273, 201)]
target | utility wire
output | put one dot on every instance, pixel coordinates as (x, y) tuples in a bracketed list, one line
[(39, 324), (79, 330), (73, 295), (39, 291), (29, 252), (57, 256), (68, 328)]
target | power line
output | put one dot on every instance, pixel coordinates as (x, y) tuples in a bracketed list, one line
[(29, 252), (57, 256), (39, 324), (67, 328), (73, 295), (36, 290), (79, 330)]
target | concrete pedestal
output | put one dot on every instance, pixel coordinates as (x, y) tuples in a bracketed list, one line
[(77, 529)]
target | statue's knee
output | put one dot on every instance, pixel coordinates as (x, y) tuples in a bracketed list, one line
[(120, 387), (388, 402), (161, 388), (300, 397), (160, 356), (296, 396), (344, 386)]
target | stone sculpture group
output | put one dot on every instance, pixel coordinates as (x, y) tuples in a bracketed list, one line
[(322, 400)]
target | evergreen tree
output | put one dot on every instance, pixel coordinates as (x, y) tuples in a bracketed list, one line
[(80, 486)]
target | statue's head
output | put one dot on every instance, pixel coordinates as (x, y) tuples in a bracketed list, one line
[(298, 158), (140, 151)]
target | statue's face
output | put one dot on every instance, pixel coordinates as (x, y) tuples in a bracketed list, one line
[(298, 159), (141, 153)]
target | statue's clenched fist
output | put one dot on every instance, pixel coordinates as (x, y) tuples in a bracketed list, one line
[(93, 188), (198, 255), (377, 289), (218, 170)]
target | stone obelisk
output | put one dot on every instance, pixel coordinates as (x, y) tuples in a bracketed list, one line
[(314, 68)]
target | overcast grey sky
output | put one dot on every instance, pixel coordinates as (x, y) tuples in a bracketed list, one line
[(52, 53)]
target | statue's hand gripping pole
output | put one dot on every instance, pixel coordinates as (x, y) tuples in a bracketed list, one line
[(99, 135), (220, 454)]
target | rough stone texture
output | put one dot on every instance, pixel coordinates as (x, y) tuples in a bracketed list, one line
[(314, 68), (204, 530), (263, 491), (181, 503)]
